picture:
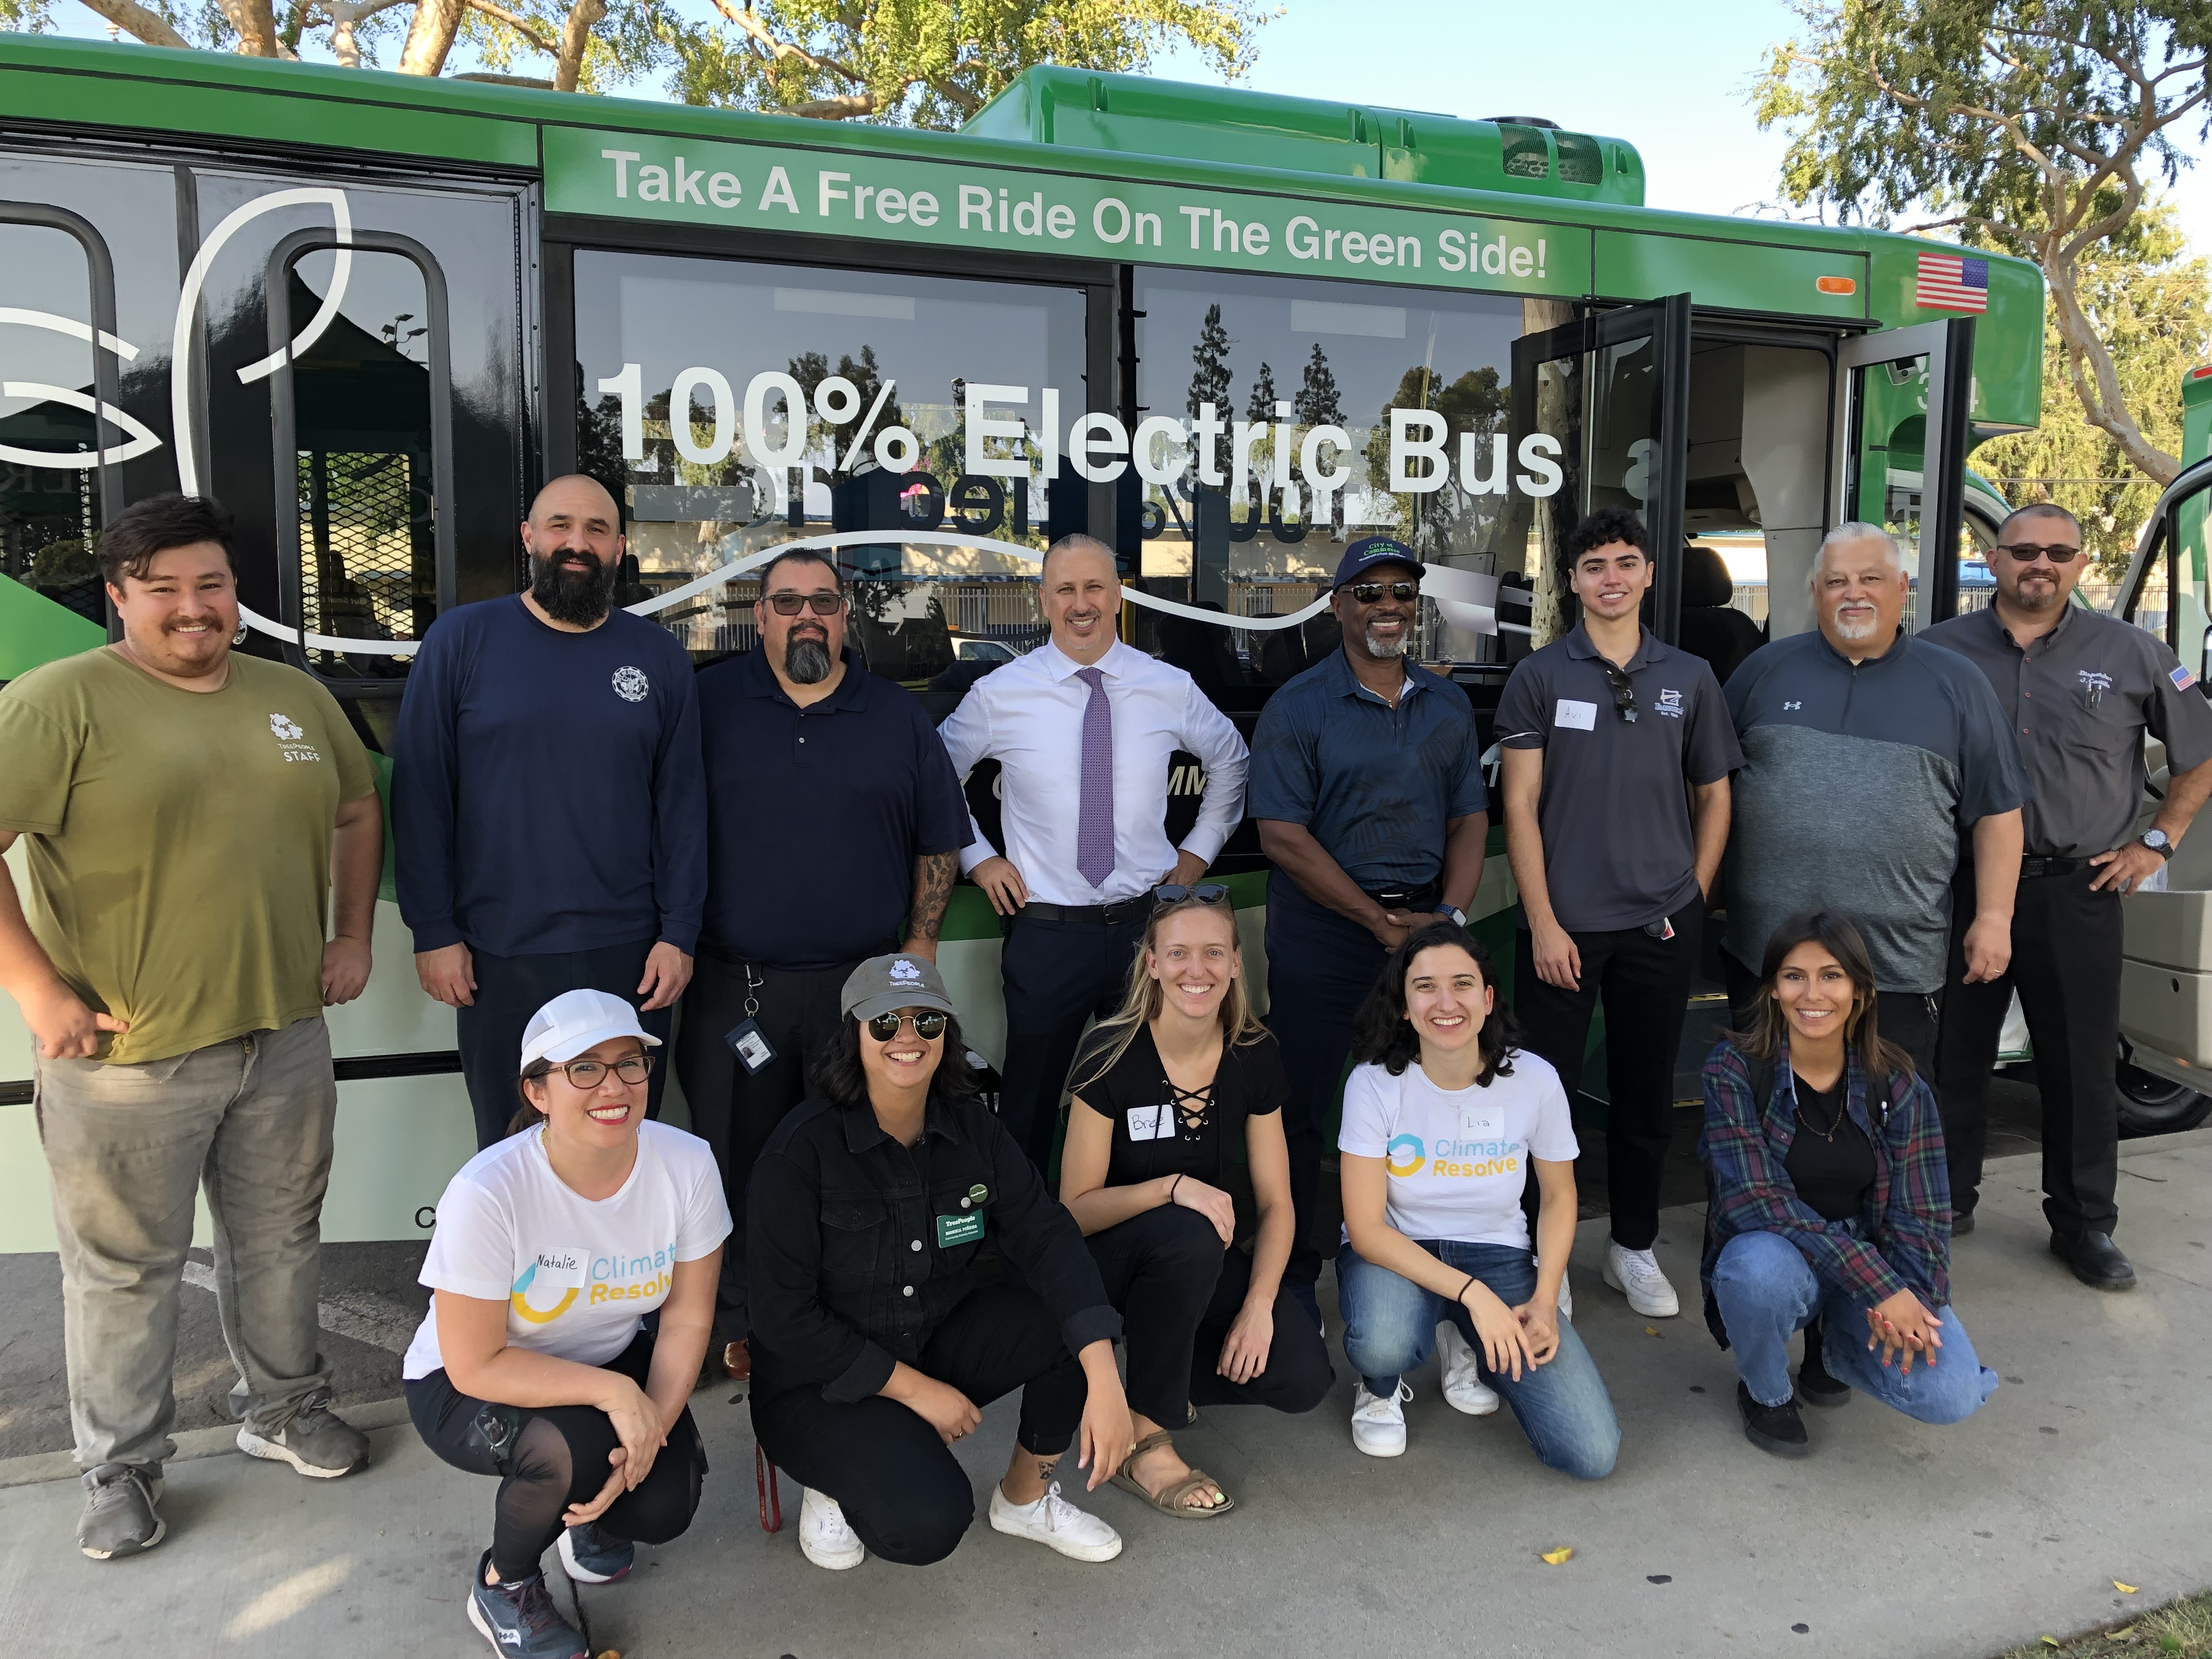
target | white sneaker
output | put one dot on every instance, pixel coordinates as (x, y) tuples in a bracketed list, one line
[(1636, 1274), (824, 1539), (1378, 1424), (1057, 1524), (1464, 1389)]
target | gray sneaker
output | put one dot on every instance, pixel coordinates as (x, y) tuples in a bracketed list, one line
[(120, 1516), (315, 1441), (519, 1620)]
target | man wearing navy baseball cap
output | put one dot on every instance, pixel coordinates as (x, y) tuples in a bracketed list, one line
[(1367, 783)]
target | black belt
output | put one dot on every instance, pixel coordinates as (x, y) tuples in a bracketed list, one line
[(1113, 915), (2036, 865), (1424, 898)]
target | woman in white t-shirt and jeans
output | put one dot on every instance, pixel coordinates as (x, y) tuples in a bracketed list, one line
[(533, 1364), (1441, 1118)]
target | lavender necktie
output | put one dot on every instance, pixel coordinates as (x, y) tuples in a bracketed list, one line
[(1094, 822)]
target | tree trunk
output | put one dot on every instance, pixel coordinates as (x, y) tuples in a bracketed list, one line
[(847, 107), (256, 23), (575, 36), (134, 20), (2097, 384), (430, 37)]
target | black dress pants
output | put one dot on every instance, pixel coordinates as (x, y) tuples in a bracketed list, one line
[(1320, 969), (1646, 983), (2066, 942), (1059, 976), (1907, 1019), (734, 1110), (510, 990), (900, 1487), (1179, 1288)]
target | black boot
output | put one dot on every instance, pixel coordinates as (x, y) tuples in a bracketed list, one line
[(1775, 1429), (1814, 1386), (2095, 1260)]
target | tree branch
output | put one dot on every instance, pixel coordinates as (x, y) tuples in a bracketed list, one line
[(765, 37), (2099, 388), (575, 36), (848, 107), (149, 27), (430, 36), (256, 23), (522, 25)]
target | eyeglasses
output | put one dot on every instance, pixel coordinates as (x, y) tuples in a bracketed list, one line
[(632, 1069), (2028, 552), (1371, 593), (790, 604), (1623, 692), (927, 1026), (1206, 892)]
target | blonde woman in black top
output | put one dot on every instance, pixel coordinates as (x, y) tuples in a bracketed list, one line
[(1171, 1094)]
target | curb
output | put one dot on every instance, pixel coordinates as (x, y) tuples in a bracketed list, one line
[(37, 1468)]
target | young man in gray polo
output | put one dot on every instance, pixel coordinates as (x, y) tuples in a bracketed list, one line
[(2079, 691), (1616, 749), (192, 819)]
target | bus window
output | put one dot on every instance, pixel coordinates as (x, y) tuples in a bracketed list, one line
[(2187, 616), (734, 406)]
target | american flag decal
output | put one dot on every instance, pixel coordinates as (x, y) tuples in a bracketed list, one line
[(2182, 678), (1951, 282)]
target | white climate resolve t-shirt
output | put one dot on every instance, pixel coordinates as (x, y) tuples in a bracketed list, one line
[(1458, 1159), (576, 1274)]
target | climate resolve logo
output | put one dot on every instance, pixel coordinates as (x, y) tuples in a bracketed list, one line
[(1407, 1155)]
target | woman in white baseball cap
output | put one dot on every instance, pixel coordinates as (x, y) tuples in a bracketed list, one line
[(533, 1364)]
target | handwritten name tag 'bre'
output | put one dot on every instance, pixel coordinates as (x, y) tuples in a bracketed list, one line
[(1150, 1122), (1576, 715)]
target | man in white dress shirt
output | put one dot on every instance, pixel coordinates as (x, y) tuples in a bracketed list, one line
[(1082, 729)]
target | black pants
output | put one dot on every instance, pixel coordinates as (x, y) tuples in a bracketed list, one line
[(2066, 966), (1320, 969), (900, 1487), (733, 1110), (1646, 983), (510, 990), (1907, 1019), (548, 1457), (1059, 976), (1178, 1291)]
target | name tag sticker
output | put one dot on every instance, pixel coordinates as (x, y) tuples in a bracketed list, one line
[(964, 1229), (1150, 1122), (1575, 715), (1483, 1123)]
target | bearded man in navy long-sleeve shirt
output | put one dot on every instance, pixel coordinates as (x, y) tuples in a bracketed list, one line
[(548, 808)]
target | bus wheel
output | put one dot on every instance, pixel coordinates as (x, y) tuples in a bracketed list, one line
[(2153, 1105)]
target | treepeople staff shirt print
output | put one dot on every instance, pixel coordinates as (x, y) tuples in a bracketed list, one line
[(577, 1274), (1458, 1159)]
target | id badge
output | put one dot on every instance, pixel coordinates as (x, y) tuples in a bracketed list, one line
[(964, 1229), (753, 1050)]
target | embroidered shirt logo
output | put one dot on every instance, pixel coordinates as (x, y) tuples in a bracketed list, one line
[(1669, 703), (1792, 705), (289, 733), (631, 684), (283, 727), (2096, 680)]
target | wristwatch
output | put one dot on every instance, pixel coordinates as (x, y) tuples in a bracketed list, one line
[(2159, 842), (1454, 912)]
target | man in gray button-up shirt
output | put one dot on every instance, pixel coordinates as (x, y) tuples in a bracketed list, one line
[(2079, 690)]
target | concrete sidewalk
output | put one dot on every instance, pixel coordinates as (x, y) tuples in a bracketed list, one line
[(2092, 1463)]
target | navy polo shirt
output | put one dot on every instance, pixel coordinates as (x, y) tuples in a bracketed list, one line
[(1376, 785), (1619, 851), (814, 816)]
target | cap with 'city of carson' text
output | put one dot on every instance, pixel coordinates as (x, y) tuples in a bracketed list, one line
[(1369, 551)]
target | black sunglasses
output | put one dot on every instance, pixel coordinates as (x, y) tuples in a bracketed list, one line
[(927, 1026), (2028, 552), (1371, 593), (1206, 892), (789, 604), (1623, 692)]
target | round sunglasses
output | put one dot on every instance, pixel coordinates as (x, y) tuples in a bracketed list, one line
[(928, 1026)]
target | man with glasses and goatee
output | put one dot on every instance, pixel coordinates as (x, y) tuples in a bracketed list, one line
[(548, 811), (1616, 750), (1367, 785), (2080, 689), (805, 750)]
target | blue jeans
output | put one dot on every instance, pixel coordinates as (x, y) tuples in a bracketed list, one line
[(1767, 1293), (1390, 1325)]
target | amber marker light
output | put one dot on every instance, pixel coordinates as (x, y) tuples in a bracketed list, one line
[(1837, 284)]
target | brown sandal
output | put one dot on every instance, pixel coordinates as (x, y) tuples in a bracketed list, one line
[(1175, 1500)]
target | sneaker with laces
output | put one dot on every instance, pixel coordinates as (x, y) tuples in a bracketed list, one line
[(122, 1514), (1464, 1389), (824, 1537), (315, 1441), (1378, 1421), (519, 1620), (1636, 1274), (1057, 1524), (1778, 1429), (591, 1555)]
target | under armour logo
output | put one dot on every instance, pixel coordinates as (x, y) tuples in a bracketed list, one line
[(1792, 705)]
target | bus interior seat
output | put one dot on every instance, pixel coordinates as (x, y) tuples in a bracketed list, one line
[(1711, 628)]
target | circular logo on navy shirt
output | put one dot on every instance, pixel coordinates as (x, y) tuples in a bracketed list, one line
[(631, 684)]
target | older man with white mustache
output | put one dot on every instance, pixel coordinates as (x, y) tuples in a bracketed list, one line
[(1869, 754)]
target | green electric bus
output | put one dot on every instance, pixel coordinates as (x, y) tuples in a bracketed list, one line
[(1225, 333)]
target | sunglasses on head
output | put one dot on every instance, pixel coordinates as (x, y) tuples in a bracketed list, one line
[(1623, 692), (2028, 552), (1206, 892), (929, 1025), (1371, 593), (790, 604)]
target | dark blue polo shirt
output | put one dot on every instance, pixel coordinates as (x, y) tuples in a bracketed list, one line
[(1376, 785), (814, 816)]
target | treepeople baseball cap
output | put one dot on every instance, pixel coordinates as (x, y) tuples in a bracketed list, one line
[(577, 1020), (883, 985), (1369, 551)]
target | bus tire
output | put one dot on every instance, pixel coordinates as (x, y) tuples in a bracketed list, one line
[(2151, 1105)]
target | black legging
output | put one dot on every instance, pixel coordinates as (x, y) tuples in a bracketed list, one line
[(1178, 1291), (551, 1457)]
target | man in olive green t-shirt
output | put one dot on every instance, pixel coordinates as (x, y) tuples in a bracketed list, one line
[(188, 816)]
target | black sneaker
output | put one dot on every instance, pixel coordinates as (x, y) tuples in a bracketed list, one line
[(1775, 1429), (2095, 1260), (120, 1515), (519, 1620), (592, 1555), (1814, 1386), (1962, 1223)]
